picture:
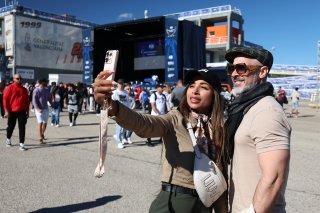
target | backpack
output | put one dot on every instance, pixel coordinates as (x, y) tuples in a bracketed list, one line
[(155, 96), (145, 97)]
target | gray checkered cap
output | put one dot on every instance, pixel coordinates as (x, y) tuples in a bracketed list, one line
[(264, 56)]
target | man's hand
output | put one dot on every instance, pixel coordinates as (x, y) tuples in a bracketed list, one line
[(6, 114)]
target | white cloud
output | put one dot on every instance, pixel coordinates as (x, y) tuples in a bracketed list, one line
[(125, 16)]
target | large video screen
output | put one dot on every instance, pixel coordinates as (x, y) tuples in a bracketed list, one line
[(40, 43), (149, 55)]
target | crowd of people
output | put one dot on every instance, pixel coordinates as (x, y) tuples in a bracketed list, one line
[(18, 99), (51, 99)]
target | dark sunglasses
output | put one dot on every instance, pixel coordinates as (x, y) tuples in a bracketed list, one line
[(18, 78), (242, 68)]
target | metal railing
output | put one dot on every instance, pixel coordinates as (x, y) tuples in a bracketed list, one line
[(41, 14), (205, 11), (220, 40)]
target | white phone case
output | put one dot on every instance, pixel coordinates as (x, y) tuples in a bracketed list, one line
[(110, 62)]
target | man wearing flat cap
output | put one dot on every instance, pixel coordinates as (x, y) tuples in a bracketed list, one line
[(258, 135)]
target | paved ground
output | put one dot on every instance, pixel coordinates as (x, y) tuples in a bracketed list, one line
[(58, 176)]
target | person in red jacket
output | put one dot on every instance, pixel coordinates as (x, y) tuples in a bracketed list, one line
[(16, 106)]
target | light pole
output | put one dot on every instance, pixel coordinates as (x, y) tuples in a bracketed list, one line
[(318, 90), (318, 83), (273, 50)]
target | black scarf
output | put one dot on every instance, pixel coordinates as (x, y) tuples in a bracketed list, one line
[(240, 106)]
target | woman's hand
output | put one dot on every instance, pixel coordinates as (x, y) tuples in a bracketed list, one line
[(103, 88)]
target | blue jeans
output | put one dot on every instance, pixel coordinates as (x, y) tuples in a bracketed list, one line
[(127, 134), (119, 133), (55, 116)]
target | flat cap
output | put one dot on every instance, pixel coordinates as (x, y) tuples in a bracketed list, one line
[(262, 55)]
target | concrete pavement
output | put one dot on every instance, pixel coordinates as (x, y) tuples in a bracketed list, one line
[(58, 176)]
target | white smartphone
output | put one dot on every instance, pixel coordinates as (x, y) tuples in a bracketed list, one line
[(110, 62)]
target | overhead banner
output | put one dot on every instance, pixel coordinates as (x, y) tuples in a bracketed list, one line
[(87, 62), (9, 34), (171, 50), (47, 44)]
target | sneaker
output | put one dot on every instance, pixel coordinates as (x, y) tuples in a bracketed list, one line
[(71, 124), (52, 124), (124, 141), (129, 141), (149, 143), (8, 142), (57, 125), (120, 146), (115, 137), (21, 147)]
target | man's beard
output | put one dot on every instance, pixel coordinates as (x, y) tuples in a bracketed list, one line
[(237, 91)]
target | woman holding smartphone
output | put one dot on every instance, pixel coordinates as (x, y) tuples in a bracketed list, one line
[(201, 104)]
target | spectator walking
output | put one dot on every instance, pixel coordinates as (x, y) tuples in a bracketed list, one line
[(63, 95), (40, 98), (144, 100), (16, 105), (177, 93), (121, 95), (85, 97), (73, 103), (91, 99), (56, 107), (2, 86), (259, 135), (31, 88), (295, 96), (158, 105), (167, 92), (81, 91), (281, 96), (127, 133), (127, 87), (98, 109)]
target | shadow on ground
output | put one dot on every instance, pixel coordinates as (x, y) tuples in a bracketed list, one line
[(79, 206)]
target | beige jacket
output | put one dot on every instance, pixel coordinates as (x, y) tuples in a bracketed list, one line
[(177, 153)]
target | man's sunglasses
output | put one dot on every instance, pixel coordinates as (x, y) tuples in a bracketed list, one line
[(18, 78), (242, 68)]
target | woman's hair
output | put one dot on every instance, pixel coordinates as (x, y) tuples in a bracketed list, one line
[(167, 88), (216, 118), (53, 92)]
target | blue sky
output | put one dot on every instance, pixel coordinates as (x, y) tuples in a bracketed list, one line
[(290, 29)]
